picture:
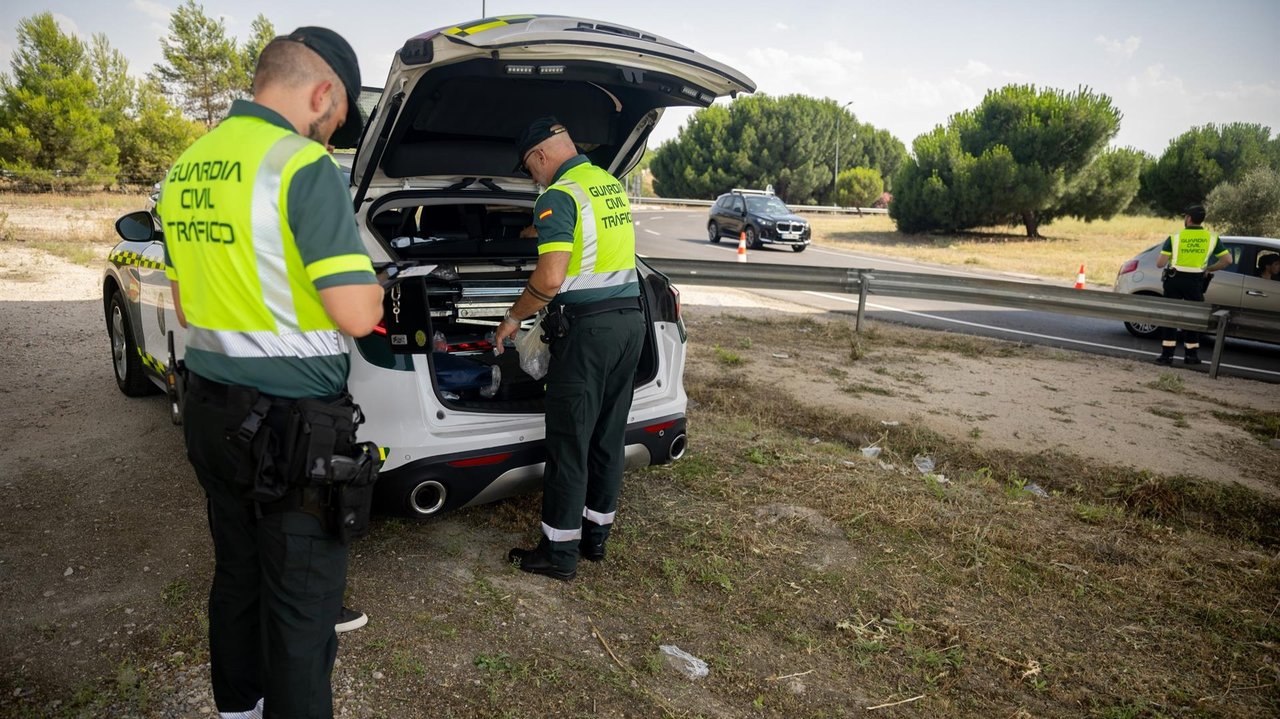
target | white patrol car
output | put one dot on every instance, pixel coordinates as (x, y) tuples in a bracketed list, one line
[(440, 204)]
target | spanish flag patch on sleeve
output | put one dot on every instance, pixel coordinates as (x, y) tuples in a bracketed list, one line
[(545, 214)]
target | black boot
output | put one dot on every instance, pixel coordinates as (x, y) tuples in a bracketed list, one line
[(1191, 357), (538, 561), (1166, 357), (591, 548)]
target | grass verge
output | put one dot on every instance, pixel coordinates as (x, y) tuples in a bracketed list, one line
[(1101, 246)]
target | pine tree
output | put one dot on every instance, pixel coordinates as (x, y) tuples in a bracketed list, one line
[(201, 67)]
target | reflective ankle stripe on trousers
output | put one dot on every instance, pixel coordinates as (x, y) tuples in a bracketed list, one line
[(561, 535)]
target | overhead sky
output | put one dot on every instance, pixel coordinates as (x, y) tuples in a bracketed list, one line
[(905, 66)]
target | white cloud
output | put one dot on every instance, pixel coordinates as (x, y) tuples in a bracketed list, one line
[(1154, 82), (69, 26), (1123, 49), (781, 26), (828, 72), (154, 10), (1242, 93), (975, 68)]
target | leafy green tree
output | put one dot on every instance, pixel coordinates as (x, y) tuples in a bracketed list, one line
[(858, 187), (261, 33), (1249, 206), (110, 73), (1011, 160), (51, 131), (201, 67), (788, 142), (1103, 189), (1199, 159), (153, 135)]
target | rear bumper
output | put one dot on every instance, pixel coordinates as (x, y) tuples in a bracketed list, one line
[(435, 485)]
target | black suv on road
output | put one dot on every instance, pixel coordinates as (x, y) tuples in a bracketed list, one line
[(762, 216)]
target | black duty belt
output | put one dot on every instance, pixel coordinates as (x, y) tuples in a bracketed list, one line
[(587, 309)]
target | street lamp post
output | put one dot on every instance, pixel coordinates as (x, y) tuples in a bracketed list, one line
[(835, 178)]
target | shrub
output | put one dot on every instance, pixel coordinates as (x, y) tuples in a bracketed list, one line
[(1250, 206)]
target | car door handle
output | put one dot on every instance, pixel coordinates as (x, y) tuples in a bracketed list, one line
[(1255, 293)]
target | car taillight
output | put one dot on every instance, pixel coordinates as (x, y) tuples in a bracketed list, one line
[(675, 299), (1128, 267), (660, 427)]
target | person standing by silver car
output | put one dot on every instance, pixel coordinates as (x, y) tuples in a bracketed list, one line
[(1185, 259)]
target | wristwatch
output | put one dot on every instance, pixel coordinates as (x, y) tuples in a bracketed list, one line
[(506, 317)]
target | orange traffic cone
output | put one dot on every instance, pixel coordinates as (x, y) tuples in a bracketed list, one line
[(1080, 278), (742, 246)]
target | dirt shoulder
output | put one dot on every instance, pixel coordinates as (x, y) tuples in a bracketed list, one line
[(812, 581), (1009, 396)]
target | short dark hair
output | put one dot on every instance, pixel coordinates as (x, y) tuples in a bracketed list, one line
[(1196, 213), (292, 63)]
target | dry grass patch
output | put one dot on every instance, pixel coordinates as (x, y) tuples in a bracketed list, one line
[(1102, 246), (77, 227)]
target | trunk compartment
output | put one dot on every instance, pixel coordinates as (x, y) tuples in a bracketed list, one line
[(446, 317)]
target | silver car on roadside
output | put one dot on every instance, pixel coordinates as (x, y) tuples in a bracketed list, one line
[(1237, 286)]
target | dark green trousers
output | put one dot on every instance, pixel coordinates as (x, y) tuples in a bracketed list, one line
[(277, 582), (589, 390)]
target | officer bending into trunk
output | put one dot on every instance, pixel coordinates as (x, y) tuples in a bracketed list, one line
[(1185, 259), (586, 277), (267, 269)]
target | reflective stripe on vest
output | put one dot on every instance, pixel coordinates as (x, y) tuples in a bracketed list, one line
[(320, 343), (587, 233), (1191, 249), (254, 300)]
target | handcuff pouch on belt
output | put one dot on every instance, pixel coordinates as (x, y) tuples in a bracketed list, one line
[(555, 324), (317, 466)]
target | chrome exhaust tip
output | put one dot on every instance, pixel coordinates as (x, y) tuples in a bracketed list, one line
[(428, 497), (678, 446)]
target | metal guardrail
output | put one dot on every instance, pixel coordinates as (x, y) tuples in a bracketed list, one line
[(1249, 324), (798, 209)]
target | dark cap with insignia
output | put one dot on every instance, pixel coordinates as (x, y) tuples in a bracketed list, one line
[(537, 131), (337, 53)]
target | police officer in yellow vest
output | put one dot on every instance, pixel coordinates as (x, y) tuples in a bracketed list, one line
[(1185, 258), (268, 272), (586, 277)]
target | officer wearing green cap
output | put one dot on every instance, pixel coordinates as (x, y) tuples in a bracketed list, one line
[(586, 278), (1185, 258), (268, 272)]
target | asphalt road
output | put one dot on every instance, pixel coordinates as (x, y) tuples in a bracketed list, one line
[(682, 234)]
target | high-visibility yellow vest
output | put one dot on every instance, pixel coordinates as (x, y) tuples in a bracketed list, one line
[(1192, 248), (248, 298), (603, 258)]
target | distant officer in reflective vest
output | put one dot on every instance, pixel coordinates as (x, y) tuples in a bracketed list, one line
[(268, 272), (586, 277), (1185, 258)]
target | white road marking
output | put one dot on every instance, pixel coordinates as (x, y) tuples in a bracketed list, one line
[(652, 232), (872, 305)]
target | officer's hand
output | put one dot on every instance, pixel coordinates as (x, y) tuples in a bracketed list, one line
[(506, 329)]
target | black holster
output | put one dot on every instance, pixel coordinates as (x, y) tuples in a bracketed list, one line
[(303, 455)]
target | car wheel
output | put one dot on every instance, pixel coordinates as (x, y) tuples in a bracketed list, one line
[(1142, 330), (131, 378), (798, 248), (753, 241), (713, 232)]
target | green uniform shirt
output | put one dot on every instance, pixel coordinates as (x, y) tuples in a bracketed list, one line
[(221, 293)]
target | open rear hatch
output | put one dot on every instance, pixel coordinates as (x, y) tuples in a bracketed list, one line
[(439, 197)]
